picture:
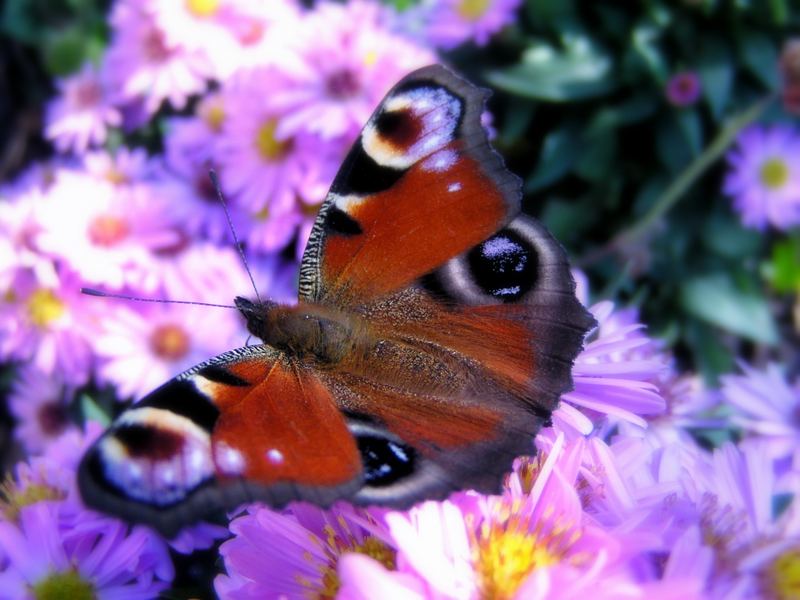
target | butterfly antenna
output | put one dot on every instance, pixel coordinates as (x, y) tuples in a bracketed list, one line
[(215, 182), (101, 294)]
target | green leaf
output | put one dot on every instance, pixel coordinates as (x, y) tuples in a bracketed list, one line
[(645, 46), (759, 55), (65, 51), (560, 150), (598, 158), (784, 265), (715, 67), (715, 299), (91, 411), (726, 237), (580, 70)]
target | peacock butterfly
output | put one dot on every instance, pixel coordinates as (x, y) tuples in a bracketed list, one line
[(434, 333)]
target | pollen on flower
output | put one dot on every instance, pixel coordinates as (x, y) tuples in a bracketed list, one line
[(774, 173), (473, 9), (85, 94), (212, 112), (107, 230), (44, 307), (337, 543), (14, 498), (154, 46), (267, 145), (67, 584), (781, 579), (170, 342), (509, 546), (202, 8)]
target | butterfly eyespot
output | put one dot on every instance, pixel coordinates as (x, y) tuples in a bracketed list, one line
[(504, 266), (385, 461), (400, 128)]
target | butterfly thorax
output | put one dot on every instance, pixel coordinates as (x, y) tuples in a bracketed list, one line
[(305, 330)]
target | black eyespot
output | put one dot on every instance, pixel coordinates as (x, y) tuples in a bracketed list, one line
[(181, 397), (400, 128), (385, 461), (504, 266), (150, 442)]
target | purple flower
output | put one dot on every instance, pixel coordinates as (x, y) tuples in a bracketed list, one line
[(295, 554), (346, 60), (767, 408), (82, 113), (39, 402), (140, 349), (232, 35), (683, 89), (614, 375), (142, 65), (264, 172), (113, 227), (449, 23), (44, 320), (764, 176), (51, 555)]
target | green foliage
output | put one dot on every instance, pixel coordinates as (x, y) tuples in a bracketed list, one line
[(67, 33)]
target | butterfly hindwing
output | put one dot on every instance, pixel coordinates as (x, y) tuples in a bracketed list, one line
[(420, 186), (246, 425)]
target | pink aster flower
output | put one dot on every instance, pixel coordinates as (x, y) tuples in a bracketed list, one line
[(144, 66), (82, 113), (260, 168), (764, 176), (47, 556), (45, 321), (295, 554), (683, 89), (346, 61), (142, 349), (449, 23), (112, 230), (39, 403), (233, 34)]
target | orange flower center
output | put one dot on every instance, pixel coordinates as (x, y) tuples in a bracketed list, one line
[(107, 230), (170, 342)]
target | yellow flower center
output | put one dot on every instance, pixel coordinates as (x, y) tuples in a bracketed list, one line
[(69, 584), (774, 173), (169, 342), (115, 177), (202, 8), (13, 498), (783, 576), (334, 546), (107, 230), (473, 9), (268, 147), (44, 307), (509, 547), (261, 215), (212, 112)]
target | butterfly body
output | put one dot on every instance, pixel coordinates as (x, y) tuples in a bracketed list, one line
[(434, 333)]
